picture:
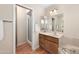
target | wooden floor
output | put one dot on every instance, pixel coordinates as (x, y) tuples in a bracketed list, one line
[(26, 49)]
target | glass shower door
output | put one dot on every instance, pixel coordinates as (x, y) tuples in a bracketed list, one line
[(29, 26)]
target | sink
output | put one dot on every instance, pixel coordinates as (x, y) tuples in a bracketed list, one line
[(58, 33)]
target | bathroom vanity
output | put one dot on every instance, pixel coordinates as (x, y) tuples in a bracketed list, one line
[(49, 41), (51, 30)]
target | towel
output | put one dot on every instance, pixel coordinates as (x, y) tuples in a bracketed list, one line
[(1, 29)]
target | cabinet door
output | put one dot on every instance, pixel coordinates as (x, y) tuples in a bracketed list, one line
[(52, 47), (42, 41)]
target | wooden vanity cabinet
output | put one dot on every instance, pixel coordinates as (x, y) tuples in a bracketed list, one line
[(49, 43)]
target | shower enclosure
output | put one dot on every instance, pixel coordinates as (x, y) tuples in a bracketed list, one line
[(29, 14), (23, 25)]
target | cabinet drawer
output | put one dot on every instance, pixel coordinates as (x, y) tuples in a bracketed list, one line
[(55, 40), (42, 40), (52, 47), (49, 43)]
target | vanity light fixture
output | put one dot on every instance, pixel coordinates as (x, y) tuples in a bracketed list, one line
[(53, 12)]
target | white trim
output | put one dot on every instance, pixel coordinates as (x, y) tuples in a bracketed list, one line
[(14, 27), (21, 43), (33, 30), (29, 42)]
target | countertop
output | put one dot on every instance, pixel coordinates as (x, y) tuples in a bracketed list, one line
[(52, 34)]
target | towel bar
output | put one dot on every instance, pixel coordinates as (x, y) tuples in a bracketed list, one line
[(7, 21)]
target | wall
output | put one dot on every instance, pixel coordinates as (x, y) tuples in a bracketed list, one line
[(71, 22), (6, 13), (38, 13)]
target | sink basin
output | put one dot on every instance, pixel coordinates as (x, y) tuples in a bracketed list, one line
[(58, 33)]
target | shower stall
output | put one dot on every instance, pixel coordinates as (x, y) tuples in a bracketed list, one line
[(23, 25)]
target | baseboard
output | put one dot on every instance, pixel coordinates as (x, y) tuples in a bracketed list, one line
[(21, 44), (29, 42), (34, 48)]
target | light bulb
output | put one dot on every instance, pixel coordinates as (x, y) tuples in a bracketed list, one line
[(42, 21), (53, 12)]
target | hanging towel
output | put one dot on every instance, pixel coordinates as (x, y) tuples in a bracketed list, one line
[(1, 29)]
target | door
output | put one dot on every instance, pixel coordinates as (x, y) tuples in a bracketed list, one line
[(29, 14)]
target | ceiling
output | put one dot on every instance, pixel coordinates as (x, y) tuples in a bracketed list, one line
[(39, 5)]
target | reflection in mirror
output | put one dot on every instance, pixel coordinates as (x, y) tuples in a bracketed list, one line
[(59, 22), (53, 23), (44, 23)]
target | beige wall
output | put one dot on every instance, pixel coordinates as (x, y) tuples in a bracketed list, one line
[(38, 13), (71, 22), (6, 13)]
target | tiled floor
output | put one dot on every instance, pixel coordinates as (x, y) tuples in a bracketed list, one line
[(26, 49)]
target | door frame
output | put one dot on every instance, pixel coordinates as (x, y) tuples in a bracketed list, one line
[(16, 20)]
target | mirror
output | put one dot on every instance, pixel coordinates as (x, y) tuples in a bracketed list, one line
[(44, 23), (59, 25), (57, 20), (52, 23)]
